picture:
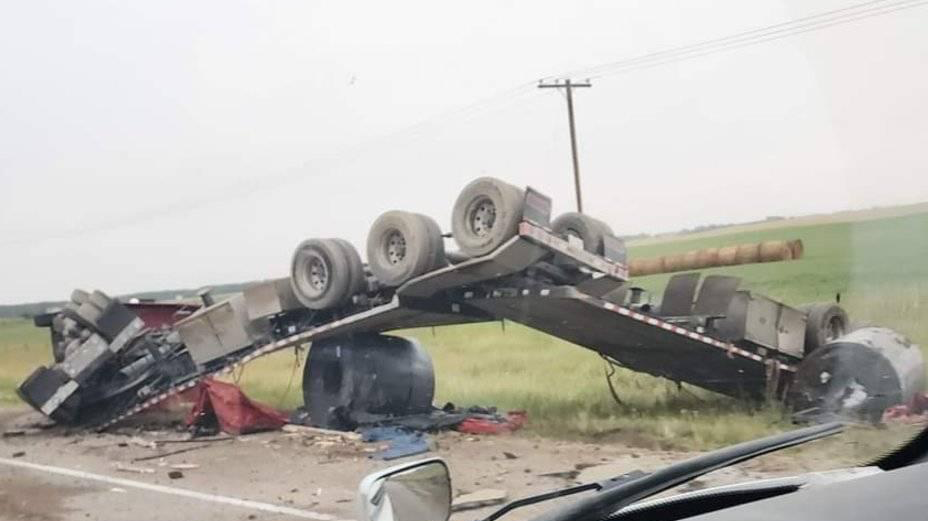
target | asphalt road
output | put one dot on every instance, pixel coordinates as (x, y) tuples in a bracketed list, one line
[(37, 495), (57, 475)]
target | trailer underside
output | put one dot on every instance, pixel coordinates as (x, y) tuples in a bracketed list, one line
[(505, 285), (705, 332)]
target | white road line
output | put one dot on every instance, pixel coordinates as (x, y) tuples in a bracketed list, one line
[(256, 505)]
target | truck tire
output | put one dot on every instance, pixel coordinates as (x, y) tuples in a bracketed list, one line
[(370, 374), (90, 313), (320, 274), (356, 280), (825, 321), (402, 246), (79, 296), (591, 231), (486, 215), (100, 299)]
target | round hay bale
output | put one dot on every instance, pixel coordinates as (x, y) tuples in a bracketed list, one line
[(673, 262), (773, 251), (691, 260), (642, 267), (707, 258), (796, 246), (747, 253), (727, 255)]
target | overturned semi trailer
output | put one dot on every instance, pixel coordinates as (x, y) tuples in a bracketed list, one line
[(568, 277)]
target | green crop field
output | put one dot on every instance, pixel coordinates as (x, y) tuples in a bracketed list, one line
[(877, 266), (22, 348)]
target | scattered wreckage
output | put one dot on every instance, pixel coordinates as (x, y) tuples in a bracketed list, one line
[(568, 277)]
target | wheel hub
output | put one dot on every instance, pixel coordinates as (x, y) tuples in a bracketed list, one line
[(482, 217), (318, 274), (395, 247)]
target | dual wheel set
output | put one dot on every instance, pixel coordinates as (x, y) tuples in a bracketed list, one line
[(327, 273)]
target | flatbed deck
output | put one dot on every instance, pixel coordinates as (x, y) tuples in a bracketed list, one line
[(496, 286)]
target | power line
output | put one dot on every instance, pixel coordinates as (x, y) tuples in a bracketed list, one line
[(755, 36), (673, 51), (761, 38), (752, 37)]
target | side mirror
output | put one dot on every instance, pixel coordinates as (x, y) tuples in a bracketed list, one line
[(418, 491)]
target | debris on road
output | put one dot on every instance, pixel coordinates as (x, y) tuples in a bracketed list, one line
[(166, 454), (135, 440), (175, 474), (561, 474), (513, 421), (224, 407), (402, 442), (595, 473), (195, 440), (315, 432), (481, 498), (135, 470)]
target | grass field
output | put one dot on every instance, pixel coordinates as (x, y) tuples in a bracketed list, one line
[(22, 348), (878, 266)]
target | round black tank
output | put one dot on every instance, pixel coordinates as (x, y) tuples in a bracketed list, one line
[(857, 376), (366, 374)]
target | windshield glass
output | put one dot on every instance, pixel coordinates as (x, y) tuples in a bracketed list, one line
[(252, 253)]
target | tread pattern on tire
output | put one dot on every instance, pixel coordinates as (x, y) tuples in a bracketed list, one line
[(507, 200), (356, 280), (79, 296), (818, 315), (423, 250), (591, 231), (337, 288)]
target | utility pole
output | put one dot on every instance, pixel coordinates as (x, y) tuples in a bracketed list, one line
[(570, 86)]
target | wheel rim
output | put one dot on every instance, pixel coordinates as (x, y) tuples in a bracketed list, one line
[(315, 275), (482, 217), (394, 247)]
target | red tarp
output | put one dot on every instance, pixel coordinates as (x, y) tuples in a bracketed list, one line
[(228, 406), (913, 412), (513, 421)]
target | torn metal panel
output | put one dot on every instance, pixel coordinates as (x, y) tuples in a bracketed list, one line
[(219, 330)]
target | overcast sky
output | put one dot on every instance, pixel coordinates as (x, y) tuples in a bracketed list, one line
[(151, 145)]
